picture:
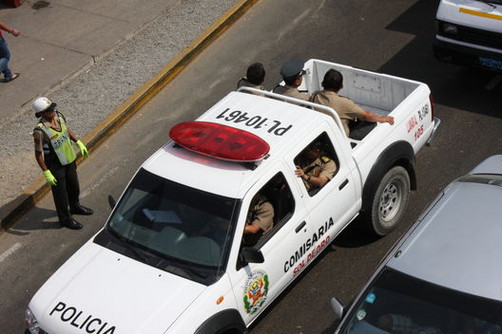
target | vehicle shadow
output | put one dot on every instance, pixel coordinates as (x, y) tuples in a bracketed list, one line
[(331, 329), (355, 235), (329, 249)]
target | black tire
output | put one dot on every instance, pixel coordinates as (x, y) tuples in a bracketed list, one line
[(389, 201)]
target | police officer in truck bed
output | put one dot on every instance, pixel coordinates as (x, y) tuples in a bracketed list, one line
[(292, 73)]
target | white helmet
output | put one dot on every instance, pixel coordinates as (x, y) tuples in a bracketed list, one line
[(41, 104)]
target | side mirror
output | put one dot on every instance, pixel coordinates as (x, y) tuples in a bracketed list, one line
[(249, 255), (111, 202), (252, 255), (337, 308)]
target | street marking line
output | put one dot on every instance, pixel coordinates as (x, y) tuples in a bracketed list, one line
[(102, 180), (494, 82), (10, 251)]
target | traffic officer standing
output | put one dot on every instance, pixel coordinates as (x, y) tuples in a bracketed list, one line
[(56, 157)]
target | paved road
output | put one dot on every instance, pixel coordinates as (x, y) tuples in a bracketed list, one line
[(89, 57), (396, 41)]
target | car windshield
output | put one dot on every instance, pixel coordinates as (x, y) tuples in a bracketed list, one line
[(397, 303), (491, 179), (498, 2), (168, 225)]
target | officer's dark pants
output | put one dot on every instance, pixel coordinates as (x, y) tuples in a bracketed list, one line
[(67, 190)]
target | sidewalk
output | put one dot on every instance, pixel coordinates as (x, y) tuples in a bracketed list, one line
[(99, 61)]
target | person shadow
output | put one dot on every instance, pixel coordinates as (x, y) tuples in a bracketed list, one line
[(46, 220)]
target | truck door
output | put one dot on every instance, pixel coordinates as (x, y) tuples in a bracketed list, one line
[(258, 284), (332, 205)]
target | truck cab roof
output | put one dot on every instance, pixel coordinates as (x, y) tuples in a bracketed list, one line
[(278, 123)]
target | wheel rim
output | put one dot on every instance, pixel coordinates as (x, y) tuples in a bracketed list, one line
[(390, 201)]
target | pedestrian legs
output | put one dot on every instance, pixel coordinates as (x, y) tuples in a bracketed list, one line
[(4, 59)]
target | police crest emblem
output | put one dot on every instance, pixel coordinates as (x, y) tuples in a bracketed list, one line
[(255, 291)]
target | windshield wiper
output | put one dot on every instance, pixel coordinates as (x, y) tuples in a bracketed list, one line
[(162, 262), (125, 242), (193, 272), (488, 3)]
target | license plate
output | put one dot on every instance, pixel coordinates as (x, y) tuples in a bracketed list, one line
[(491, 63)]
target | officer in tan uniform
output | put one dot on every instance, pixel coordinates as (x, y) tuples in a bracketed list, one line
[(313, 168), (346, 108), (259, 221), (292, 73), (255, 75)]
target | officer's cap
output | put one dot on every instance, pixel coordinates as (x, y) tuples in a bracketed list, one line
[(292, 68)]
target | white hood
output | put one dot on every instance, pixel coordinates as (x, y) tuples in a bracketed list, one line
[(103, 292)]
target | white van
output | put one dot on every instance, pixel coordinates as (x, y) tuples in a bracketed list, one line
[(470, 33)]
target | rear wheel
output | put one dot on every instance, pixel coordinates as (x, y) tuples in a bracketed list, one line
[(389, 201)]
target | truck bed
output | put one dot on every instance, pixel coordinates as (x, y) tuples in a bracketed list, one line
[(373, 91), (408, 101), (376, 110)]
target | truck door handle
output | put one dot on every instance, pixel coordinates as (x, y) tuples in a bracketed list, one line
[(299, 227), (344, 183)]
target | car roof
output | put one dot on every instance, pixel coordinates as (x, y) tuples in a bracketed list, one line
[(457, 243), (282, 125)]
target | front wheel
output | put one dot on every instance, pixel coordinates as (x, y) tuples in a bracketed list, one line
[(389, 201)]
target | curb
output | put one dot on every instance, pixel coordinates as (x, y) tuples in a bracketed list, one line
[(22, 204)]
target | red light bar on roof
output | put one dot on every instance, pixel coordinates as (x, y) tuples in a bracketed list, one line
[(219, 141)]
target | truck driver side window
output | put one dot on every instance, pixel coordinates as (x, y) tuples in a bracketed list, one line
[(270, 208), (316, 164)]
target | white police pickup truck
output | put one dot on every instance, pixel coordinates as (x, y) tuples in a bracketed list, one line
[(171, 257), (470, 33)]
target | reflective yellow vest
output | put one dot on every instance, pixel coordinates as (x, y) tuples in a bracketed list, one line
[(60, 142)]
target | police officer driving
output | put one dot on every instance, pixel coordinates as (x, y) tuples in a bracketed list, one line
[(56, 157)]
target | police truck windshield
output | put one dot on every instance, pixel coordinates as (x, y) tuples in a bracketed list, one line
[(173, 227)]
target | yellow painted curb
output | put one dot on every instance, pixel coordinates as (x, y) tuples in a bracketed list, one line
[(11, 212)]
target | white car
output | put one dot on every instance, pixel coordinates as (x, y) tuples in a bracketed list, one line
[(171, 258), (470, 33), (445, 275)]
